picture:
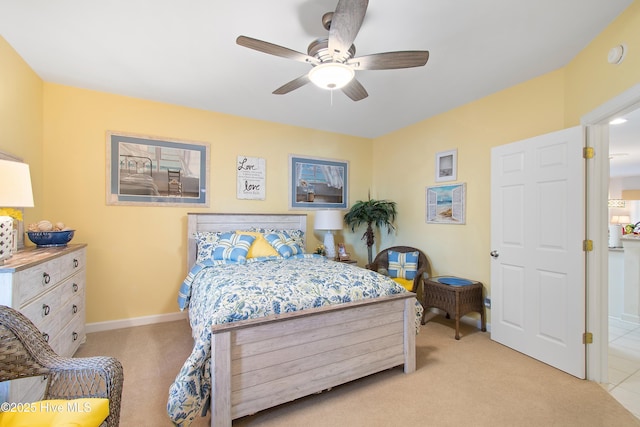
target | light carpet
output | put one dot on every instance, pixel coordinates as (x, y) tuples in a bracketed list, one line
[(470, 382)]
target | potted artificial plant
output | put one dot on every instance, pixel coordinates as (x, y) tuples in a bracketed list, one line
[(382, 213)]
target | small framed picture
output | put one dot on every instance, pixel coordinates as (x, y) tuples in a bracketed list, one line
[(342, 253), (447, 166), (445, 204)]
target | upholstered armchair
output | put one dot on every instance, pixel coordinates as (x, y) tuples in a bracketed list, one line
[(25, 353), (381, 265)]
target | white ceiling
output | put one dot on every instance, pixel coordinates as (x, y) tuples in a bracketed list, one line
[(184, 52), (624, 146)]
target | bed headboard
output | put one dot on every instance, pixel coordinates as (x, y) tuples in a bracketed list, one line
[(234, 221)]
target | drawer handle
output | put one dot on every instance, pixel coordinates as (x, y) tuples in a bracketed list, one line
[(46, 278), (75, 309), (75, 336), (45, 310), (46, 337), (75, 287), (75, 263)]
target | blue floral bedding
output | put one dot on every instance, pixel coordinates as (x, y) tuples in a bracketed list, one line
[(217, 292)]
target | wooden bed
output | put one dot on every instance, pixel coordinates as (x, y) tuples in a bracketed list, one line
[(260, 363)]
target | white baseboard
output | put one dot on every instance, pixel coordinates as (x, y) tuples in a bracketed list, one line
[(136, 321), (631, 318)]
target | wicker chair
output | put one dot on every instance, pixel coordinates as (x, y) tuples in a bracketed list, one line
[(25, 353), (381, 261)]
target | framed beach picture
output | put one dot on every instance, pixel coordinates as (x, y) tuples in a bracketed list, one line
[(152, 171), (316, 183), (447, 166), (445, 204)]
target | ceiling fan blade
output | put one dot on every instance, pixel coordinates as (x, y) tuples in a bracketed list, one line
[(355, 90), (390, 60), (274, 49), (345, 25), (292, 85)]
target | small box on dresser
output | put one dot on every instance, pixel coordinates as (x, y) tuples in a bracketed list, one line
[(48, 286)]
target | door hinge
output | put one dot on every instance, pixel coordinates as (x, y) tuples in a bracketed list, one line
[(587, 245), (588, 152), (587, 338)]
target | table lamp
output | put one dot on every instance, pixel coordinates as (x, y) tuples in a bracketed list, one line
[(329, 220), (615, 229), (15, 192)]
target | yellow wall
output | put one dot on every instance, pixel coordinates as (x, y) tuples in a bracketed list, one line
[(137, 254), (545, 104), (591, 80), (21, 117), (531, 108)]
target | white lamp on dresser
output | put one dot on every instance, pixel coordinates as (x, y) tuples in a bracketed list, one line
[(15, 192), (329, 220)]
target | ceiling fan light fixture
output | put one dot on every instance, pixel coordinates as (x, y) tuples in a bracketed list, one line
[(331, 75)]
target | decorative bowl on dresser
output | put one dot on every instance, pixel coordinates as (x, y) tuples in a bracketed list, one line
[(47, 239), (47, 285)]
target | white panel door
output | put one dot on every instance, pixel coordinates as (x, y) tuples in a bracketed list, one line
[(537, 230)]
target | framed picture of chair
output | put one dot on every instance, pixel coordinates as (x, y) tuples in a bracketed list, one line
[(144, 170)]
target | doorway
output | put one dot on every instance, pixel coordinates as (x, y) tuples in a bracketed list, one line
[(597, 129), (623, 325)]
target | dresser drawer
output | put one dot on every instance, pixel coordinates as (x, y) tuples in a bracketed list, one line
[(37, 280), (46, 275), (45, 310), (74, 285), (70, 337), (73, 262), (71, 309)]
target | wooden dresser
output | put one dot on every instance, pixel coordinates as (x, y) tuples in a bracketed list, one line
[(48, 286)]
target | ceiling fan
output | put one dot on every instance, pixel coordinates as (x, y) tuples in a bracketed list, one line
[(333, 58)]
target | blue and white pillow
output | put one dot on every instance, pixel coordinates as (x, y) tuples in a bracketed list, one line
[(206, 241), (296, 235), (403, 264), (284, 244), (233, 247)]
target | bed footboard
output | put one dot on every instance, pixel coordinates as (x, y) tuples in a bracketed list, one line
[(261, 363)]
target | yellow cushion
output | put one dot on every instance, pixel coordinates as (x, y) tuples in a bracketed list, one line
[(406, 283), (260, 247), (50, 413)]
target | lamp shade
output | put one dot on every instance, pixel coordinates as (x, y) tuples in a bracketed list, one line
[(620, 219), (328, 219), (15, 185)]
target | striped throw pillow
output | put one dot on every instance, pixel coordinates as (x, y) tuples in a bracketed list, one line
[(403, 264), (233, 247)]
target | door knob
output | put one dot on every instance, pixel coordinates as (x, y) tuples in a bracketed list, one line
[(494, 254)]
